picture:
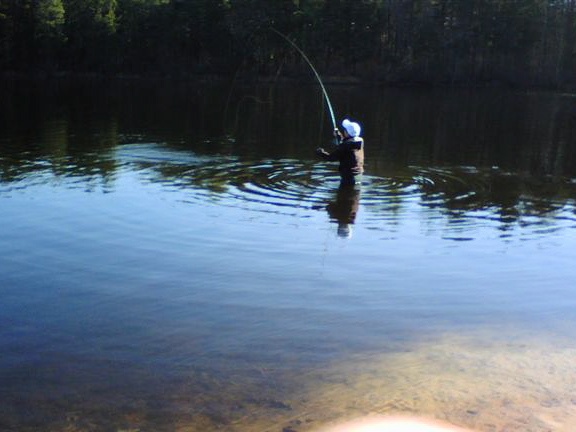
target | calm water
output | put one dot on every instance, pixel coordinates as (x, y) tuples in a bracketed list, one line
[(173, 258)]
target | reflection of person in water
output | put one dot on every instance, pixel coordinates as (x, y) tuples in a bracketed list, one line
[(344, 208), (349, 152)]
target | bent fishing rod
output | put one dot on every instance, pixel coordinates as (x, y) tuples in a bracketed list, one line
[(297, 48)]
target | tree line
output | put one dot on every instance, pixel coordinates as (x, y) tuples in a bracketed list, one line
[(515, 42)]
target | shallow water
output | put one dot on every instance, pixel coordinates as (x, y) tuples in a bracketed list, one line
[(174, 258)]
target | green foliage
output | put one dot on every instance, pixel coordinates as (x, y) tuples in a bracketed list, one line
[(49, 15), (515, 41)]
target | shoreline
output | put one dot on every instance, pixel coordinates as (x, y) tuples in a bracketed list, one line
[(334, 80)]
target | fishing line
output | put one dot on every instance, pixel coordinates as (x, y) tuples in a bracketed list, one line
[(297, 48)]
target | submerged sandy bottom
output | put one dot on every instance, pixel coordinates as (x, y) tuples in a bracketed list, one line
[(522, 386), (526, 385), (496, 382)]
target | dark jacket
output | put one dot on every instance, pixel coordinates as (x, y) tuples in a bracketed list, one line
[(350, 154)]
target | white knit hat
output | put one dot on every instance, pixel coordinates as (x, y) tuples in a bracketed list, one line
[(352, 128)]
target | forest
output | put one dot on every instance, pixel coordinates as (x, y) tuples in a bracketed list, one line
[(520, 43)]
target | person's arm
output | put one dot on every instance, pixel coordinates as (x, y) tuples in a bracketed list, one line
[(334, 156), (338, 137), (327, 156)]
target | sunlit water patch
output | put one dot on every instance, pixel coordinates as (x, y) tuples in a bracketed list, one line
[(510, 382)]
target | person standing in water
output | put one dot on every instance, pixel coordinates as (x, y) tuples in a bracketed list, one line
[(349, 152)]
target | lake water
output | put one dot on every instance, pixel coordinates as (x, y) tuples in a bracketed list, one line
[(173, 257)]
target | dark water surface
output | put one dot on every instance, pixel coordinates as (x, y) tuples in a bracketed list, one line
[(173, 257)]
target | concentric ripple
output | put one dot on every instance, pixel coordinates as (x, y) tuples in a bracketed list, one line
[(453, 200), (458, 198)]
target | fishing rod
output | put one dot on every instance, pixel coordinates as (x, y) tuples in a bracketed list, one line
[(297, 48)]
